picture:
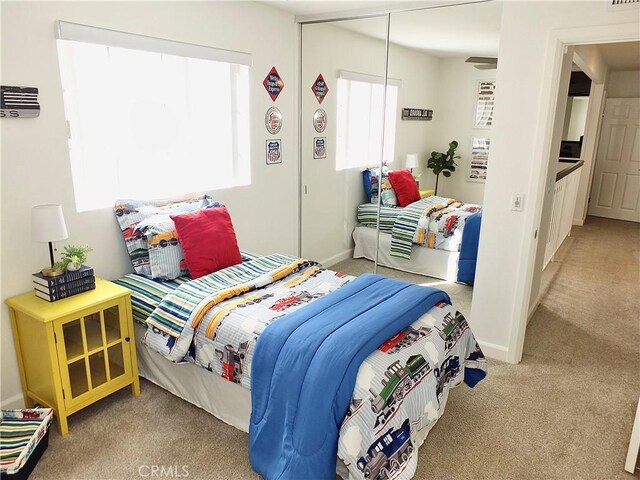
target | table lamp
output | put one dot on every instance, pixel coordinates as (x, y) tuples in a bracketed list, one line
[(47, 225), (412, 161)]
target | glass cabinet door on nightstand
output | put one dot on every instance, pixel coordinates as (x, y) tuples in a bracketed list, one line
[(93, 350)]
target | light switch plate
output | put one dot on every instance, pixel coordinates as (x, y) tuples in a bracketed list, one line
[(517, 201)]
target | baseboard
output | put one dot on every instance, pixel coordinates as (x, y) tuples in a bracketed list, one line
[(13, 403), (328, 262), (491, 350), (578, 221)]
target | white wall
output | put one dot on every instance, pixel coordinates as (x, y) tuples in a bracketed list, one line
[(623, 84), (35, 161), (329, 207), (525, 105), (457, 95)]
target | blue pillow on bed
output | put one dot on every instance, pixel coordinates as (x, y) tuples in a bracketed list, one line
[(366, 178), (372, 181)]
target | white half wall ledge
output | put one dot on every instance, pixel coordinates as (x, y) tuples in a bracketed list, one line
[(493, 351)]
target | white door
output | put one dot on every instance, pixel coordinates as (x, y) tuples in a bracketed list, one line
[(615, 191)]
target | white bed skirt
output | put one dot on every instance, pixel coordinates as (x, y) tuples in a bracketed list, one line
[(424, 261), (228, 401)]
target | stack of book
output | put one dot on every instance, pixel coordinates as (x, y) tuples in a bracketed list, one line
[(65, 285)]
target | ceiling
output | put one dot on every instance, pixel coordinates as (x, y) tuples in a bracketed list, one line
[(472, 29), (339, 8), (621, 56), (449, 31)]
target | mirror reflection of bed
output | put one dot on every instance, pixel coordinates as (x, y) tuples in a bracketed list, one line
[(427, 69)]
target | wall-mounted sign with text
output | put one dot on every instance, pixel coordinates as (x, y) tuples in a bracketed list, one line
[(273, 120), (417, 114), (485, 99), (274, 151), (320, 147), (479, 159), (19, 102), (320, 88), (320, 120), (273, 83)]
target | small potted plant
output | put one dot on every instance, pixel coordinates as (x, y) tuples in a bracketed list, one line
[(443, 162), (73, 257)]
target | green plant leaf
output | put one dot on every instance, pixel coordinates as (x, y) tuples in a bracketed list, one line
[(446, 173)]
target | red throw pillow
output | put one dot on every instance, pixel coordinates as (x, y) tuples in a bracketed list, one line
[(405, 186), (208, 240)]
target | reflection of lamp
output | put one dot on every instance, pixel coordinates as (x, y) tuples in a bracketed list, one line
[(47, 225), (411, 161)]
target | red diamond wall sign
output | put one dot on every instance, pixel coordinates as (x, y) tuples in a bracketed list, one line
[(273, 83), (320, 88)]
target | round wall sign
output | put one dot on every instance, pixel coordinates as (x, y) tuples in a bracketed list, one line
[(273, 120), (320, 120)]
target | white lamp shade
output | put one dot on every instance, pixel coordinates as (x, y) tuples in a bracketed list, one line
[(412, 161), (47, 223)]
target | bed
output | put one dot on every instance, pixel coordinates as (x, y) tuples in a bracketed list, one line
[(434, 236), (327, 372), (398, 392)]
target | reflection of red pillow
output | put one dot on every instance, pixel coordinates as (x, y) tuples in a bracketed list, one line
[(405, 186), (208, 240)]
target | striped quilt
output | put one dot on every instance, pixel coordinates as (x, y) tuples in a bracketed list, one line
[(148, 293), (368, 216), (180, 313), (20, 432)]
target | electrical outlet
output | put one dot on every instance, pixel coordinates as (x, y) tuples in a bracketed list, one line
[(517, 201)]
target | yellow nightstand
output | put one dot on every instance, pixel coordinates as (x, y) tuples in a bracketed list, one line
[(426, 193), (75, 351)]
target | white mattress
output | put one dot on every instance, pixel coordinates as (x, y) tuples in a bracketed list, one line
[(424, 261)]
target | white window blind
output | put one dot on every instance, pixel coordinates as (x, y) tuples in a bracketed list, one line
[(152, 118), (360, 120)]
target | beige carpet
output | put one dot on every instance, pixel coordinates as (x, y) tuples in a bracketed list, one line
[(565, 412)]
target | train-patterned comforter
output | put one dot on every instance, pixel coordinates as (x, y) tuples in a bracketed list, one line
[(434, 222), (217, 320)]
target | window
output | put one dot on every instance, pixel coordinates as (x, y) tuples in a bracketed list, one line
[(151, 118), (360, 120)]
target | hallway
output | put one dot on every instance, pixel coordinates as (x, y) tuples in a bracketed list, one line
[(567, 410)]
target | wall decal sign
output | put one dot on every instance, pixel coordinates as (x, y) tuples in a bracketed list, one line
[(417, 114), (274, 151), (484, 104), (273, 120), (479, 159), (320, 120), (273, 83), (19, 102), (320, 147), (320, 88)]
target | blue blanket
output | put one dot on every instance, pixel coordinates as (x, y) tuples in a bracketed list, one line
[(469, 249), (305, 366)]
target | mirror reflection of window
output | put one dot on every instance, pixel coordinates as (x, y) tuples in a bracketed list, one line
[(359, 122)]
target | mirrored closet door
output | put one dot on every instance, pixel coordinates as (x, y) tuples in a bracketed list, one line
[(343, 77)]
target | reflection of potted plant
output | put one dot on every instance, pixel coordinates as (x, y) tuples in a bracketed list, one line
[(73, 257), (443, 162)]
